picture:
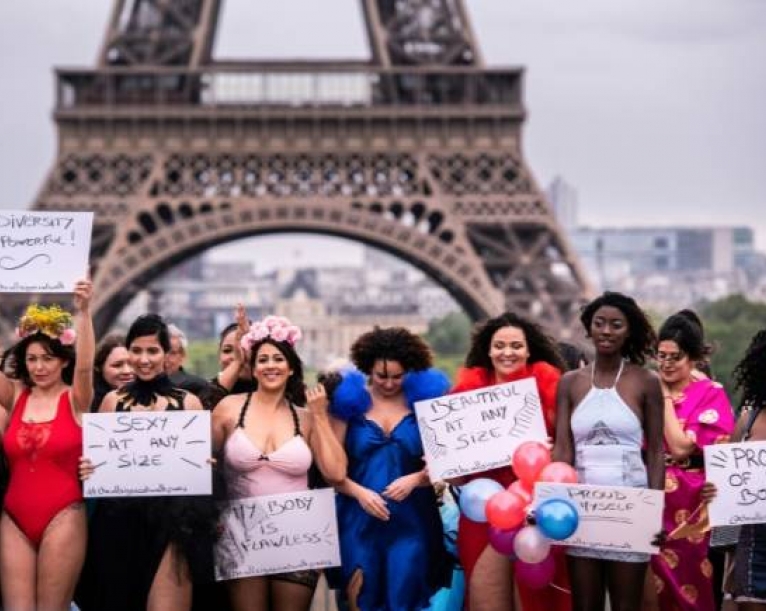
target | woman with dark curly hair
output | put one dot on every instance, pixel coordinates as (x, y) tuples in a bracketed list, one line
[(392, 550), (608, 413), (268, 441), (505, 349), (697, 413)]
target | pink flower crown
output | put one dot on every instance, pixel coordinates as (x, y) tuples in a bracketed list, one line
[(278, 328)]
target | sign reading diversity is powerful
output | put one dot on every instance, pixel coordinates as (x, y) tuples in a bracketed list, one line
[(478, 430), (612, 518), (738, 471), (148, 453), (43, 252), (280, 533)]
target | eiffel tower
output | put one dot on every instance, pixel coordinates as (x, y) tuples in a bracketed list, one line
[(416, 151)]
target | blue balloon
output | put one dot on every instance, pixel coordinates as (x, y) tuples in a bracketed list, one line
[(474, 496), (557, 519)]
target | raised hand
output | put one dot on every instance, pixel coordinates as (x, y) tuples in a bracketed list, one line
[(83, 293), (317, 401)]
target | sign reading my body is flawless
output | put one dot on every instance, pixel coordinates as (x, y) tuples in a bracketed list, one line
[(478, 430), (43, 252), (738, 471), (612, 518), (279, 533), (148, 453)]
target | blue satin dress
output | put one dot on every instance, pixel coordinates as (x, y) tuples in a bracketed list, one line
[(403, 560)]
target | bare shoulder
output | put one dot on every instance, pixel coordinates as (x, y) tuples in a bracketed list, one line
[(642, 374), (575, 378), (228, 407), (109, 402), (191, 402)]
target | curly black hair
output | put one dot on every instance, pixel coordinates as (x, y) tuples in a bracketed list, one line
[(17, 363), (541, 346), (295, 391), (391, 344), (685, 332), (639, 345), (749, 375)]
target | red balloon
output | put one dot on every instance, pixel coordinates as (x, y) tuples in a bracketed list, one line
[(522, 490), (505, 510), (559, 473), (529, 459)]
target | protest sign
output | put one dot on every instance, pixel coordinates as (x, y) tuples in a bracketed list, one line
[(43, 252), (148, 453), (738, 471), (475, 431), (279, 533), (612, 518)]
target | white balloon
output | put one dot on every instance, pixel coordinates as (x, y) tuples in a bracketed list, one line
[(531, 546)]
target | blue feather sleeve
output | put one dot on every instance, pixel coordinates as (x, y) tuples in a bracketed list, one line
[(426, 384), (351, 397)]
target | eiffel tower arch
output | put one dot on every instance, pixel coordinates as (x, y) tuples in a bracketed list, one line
[(416, 151)]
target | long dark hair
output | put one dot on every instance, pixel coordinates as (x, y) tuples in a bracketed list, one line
[(749, 373), (295, 391), (541, 347), (17, 363), (639, 345)]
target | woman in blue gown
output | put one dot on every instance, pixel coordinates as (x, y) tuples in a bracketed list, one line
[(392, 550)]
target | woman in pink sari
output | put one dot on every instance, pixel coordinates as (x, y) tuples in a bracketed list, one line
[(697, 413)]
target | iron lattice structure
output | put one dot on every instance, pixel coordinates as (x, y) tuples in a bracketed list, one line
[(417, 151)]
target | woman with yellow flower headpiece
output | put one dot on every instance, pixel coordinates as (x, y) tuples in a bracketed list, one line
[(50, 383)]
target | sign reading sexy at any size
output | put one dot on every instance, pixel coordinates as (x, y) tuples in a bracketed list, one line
[(738, 471), (278, 533), (148, 453), (43, 252), (478, 430)]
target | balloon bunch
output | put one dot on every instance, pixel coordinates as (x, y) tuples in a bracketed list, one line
[(513, 530)]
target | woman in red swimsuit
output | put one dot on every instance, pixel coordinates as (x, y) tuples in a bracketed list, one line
[(43, 527), (505, 349)]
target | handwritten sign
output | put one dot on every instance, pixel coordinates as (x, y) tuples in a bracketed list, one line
[(280, 533), (613, 518), (738, 471), (43, 252), (148, 453), (475, 431)]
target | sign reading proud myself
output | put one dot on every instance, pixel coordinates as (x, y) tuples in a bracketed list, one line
[(738, 471), (43, 252), (148, 453), (279, 533), (478, 430), (612, 518)]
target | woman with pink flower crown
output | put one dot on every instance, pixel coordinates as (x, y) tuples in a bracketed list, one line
[(43, 529), (267, 442)]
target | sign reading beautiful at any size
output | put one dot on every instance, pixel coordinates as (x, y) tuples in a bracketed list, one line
[(148, 453), (738, 471), (279, 533), (43, 252), (612, 518), (478, 430)]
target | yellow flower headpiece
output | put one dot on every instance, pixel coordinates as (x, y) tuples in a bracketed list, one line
[(53, 321)]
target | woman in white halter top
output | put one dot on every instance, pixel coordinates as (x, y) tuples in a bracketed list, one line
[(610, 416)]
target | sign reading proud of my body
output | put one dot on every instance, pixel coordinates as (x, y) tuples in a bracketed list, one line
[(43, 252), (475, 431), (738, 471), (613, 518), (280, 533), (148, 453)]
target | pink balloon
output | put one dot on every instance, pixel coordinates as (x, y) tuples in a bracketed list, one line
[(538, 575), (530, 545), (529, 459), (502, 540), (520, 489), (559, 472), (505, 510)]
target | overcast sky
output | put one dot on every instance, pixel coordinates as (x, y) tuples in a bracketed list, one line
[(655, 110)]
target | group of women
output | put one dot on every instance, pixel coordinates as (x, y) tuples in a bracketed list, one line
[(614, 420)]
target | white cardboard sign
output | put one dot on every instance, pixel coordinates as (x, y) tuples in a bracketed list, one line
[(43, 252), (148, 453), (479, 430), (280, 533), (613, 518), (738, 471)]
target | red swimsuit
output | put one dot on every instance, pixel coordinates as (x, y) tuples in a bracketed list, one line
[(43, 459)]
